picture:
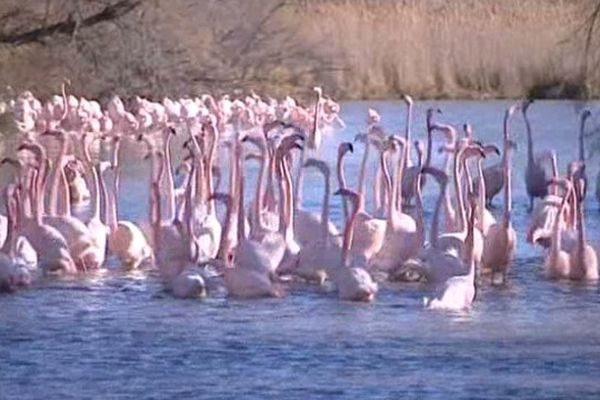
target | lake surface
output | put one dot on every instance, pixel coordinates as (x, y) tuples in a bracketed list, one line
[(116, 334)]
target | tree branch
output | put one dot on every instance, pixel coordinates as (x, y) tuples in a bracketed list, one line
[(68, 27)]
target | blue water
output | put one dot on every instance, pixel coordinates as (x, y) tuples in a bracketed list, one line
[(116, 334)]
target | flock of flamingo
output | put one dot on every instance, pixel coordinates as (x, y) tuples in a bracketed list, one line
[(258, 249)]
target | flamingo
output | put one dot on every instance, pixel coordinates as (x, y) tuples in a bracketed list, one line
[(411, 172), (585, 115), (314, 258), (535, 175), (501, 239), (51, 247), (458, 292), (126, 240), (557, 263), (401, 236), (352, 282), (584, 260), (343, 149)]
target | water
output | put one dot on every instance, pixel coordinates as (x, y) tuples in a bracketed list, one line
[(117, 335)]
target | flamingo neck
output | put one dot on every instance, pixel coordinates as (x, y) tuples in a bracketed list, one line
[(462, 217), (429, 142), (481, 194), (168, 167), (507, 176), (363, 168), (298, 190), (212, 152), (269, 195), (64, 205), (581, 139), (288, 212), (349, 231), (188, 207), (435, 223), (470, 245), (260, 187), (556, 228), (387, 180), (342, 184), (554, 164), (224, 244), (419, 218), (241, 210), (530, 158), (397, 183), (379, 190), (11, 222), (315, 126), (56, 177), (325, 211), (581, 231), (114, 203)]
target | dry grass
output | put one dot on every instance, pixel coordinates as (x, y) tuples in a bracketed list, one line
[(434, 48), (356, 49)]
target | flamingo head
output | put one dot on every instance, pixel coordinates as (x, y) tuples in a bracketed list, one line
[(524, 105), (491, 149), (353, 196), (318, 164), (35, 148), (344, 148), (440, 176)]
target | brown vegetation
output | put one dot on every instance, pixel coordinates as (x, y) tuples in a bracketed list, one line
[(355, 49)]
